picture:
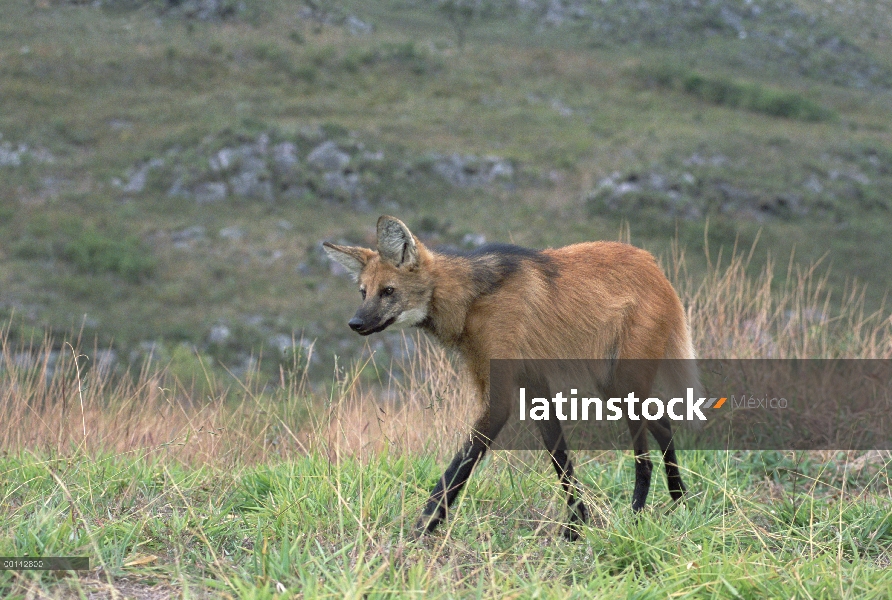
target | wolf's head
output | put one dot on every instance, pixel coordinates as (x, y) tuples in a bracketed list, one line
[(394, 282)]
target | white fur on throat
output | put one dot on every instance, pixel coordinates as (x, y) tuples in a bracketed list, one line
[(411, 317)]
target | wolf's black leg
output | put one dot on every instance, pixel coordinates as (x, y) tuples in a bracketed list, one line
[(662, 431), (458, 471), (643, 466), (553, 437)]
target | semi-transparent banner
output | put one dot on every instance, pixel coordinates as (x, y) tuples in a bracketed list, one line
[(709, 404)]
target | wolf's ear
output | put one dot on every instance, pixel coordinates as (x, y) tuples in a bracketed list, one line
[(396, 244), (353, 258)]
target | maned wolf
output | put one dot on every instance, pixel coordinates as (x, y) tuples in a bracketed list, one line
[(588, 300)]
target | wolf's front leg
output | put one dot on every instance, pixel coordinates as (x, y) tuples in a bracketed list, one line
[(456, 475)]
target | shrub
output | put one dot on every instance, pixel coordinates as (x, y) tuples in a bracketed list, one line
[(95, 252), (722, 91)]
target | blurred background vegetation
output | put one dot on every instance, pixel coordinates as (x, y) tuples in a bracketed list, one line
[(169, 168)]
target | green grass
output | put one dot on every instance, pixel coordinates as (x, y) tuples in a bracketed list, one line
[(95, 252), (757, 525), (734, 94)]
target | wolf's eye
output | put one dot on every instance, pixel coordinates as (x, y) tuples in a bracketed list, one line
[(362, 292), (387, 291)]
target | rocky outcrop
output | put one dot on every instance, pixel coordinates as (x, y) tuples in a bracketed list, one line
[(16, 155), (465, 170), (272, 168)]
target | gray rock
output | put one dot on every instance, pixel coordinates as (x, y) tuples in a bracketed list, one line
[(468, 170), (356, 26), (219, 334), (253, 320), (251, 184), (658, 182), (42, 155), (561, 108), (232, 233), (261, 146), (813, 184), (137, 182), (285, 155), (733, 20), (247, 167), (51, 187), (858, 177), (730, 192), (223, 159), (206, 10), (14, 156), (253, 163), (179, 189), (626, 187), (474, 240), (245, 183), (281, 342), (344, 182), (138, 177), (208, 193), (609, 182), (500, 169), (9, 156), (696, 160), (655, 189), (328, 157), (187, 235), (120, 124)]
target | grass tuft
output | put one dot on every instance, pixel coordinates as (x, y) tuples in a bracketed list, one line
[(96, 252), (730, 93)]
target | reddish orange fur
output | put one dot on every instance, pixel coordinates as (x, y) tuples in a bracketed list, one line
[(604, 293), (586, 301)]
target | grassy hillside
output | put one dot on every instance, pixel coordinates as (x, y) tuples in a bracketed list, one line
[(169, 170)]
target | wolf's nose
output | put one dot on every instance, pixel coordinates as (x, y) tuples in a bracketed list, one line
[(355, 323)]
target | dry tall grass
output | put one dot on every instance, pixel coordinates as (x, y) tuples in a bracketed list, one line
[(59, 406), (736, 316)]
